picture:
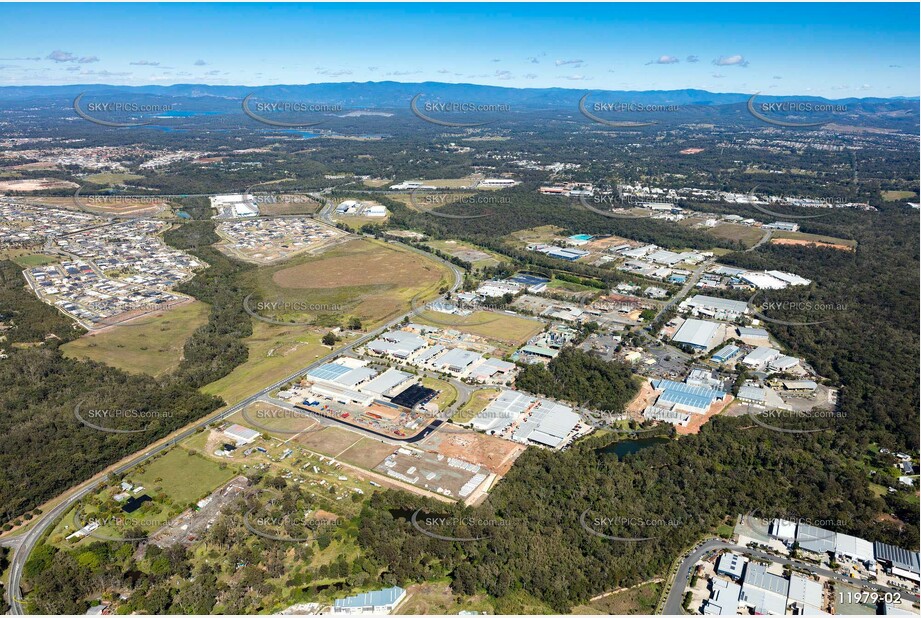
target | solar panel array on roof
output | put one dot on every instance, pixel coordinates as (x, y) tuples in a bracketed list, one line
[(902, 558), (413, 396), (355, 376), (528, 279), (681, 387), (329, 371)]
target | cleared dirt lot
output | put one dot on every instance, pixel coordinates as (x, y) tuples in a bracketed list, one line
[(495, 454)]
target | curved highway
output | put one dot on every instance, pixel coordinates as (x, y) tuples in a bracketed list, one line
[(30, 539)]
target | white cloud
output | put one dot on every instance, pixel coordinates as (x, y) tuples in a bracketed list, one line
[(145, 63), (731, 61), (200, 63), (692, 59), (664, 60), (573, 63), (63, 56)]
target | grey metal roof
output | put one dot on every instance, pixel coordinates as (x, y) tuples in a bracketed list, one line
[(814, 539), (696, 332), (386, 381), (902, 558)]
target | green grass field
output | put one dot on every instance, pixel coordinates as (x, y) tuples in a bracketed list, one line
[(371, 280), (476, 404), (894, 196), (184, 476), (111, 178), (274, 352), (34, 259), (508, 330), (747, 235), (152, 344)]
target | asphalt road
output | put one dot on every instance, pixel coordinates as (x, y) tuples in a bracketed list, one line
[(30, 539), (676, 593)]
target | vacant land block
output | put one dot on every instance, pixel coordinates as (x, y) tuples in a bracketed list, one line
[(182, 475), (373, 281), (152, 344), (502, 327)]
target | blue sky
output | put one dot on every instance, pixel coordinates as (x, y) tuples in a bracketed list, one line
[(833, 50)]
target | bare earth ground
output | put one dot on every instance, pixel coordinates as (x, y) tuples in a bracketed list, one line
[(698, 420), (642, 401), (495, 454), (827, 245)]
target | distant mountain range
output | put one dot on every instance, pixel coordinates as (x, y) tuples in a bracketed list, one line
[(396, 95)]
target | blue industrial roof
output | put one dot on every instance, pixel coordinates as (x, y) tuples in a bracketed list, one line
[(329, 371), (697, 401), (725, 353), (376, 598), (681, 387)]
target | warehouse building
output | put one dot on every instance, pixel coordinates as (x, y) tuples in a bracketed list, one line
[(753, 336), (760, 357), (391, 381), (456, 360), (698, 334), (241, 435), (725, 353), (717, 308), (764, 592), (724, 599), (815, 540), (399, 344), (503, 410), (898, 561), (549, 424), (853, 548), (376, 602), (685, 397), (341, 394)]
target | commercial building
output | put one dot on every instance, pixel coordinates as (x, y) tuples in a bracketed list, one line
[(718, 308), (731, 565), (853, 548), (456, 360), (241, 435), (376, 602), (804, 595), (503, 410), (387, 383), (724, 599), (698, 334), (815, 540), (752, 335), (341, 394), (760, 357), (725, 353), (549, 423), (783, 529), (752, 394), (898, 561), (765, 593), (399, 344), (682, 397)]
